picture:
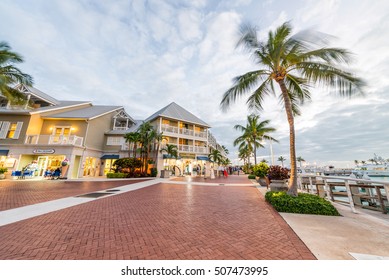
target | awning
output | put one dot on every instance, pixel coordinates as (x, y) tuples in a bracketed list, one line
[(110, 157), (202, 158), (4, 152)]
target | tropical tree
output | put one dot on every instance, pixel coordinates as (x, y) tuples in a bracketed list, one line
[(244, 153), (146, 137), (300, 159), (225, 149), (282, 159), (158, 137), (132, 138), (264, 160), (216, 157), (296, 63), (254, 133), (171, 151), (11, 75)]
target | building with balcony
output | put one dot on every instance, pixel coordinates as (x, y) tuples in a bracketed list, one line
[(45, 131), (188, 133)]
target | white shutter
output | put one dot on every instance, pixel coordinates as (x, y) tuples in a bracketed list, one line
[(4, 130), (17, 130)]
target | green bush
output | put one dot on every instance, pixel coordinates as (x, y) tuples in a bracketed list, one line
[(303, 204), (116, 175), (3, 170), (153, 172), (251, 176), (261, 169)]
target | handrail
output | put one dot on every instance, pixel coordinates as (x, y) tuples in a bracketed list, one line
[(349, 185)]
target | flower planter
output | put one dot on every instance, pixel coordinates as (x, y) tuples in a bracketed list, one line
[(279, 185), (262, 182)]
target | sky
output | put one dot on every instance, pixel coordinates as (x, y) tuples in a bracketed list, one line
[(143, 55)]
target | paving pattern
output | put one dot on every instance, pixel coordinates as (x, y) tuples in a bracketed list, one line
[(18, 193), (163, 221)]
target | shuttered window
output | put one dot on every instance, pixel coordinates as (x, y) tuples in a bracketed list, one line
[(10, 130)]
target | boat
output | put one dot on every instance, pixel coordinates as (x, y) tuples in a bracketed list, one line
[(380, 168)]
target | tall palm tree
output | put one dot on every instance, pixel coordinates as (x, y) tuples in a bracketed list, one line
[(254, 132), (296, 63), (282, 159), (244, 153), (11, 75), (171, 150), (158, 137), (146, 138), (225, 149), (215, 156), (132, 138), (300, 159)]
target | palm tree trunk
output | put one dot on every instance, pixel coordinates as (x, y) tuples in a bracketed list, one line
[(289, 113), (255, 153)]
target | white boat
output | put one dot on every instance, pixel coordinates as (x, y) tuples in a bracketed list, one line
[(380, 168)]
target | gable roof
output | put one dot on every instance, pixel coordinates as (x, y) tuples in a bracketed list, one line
[(88, 113), (176, 112), (37, 93)]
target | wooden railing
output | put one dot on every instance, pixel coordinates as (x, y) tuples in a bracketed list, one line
[(367, 194)]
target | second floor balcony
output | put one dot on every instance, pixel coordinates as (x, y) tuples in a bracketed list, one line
[(184, 131), (54, 140)]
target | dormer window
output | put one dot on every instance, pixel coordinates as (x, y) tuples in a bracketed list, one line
[(122, 121)]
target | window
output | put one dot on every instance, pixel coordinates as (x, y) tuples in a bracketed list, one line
[(115, 141), (10, 130)]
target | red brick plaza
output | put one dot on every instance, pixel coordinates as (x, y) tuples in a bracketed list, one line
[(166, 221)]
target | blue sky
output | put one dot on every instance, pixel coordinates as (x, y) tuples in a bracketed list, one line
[(145, 54)]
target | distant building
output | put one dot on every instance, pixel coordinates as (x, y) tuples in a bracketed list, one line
[(45, 131)]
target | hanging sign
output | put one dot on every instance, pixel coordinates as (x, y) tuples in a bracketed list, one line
[(43, 151)]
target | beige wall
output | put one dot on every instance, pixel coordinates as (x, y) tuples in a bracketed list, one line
[(78, 126), (16, 118), (97, 127)]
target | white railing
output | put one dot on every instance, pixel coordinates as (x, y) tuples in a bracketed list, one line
[(183, 131), (54, 139), (168, 128), (201, 150), (352, 192), (186, 131), (185, 148)]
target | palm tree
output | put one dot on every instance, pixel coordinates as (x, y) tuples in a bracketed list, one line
[(254, 132), (300, 159), (296, 63), (264, 160), (132, 138), (158, 137), (11, 75), (244, 153), (225, 149), (282, 159), (146, 137), (171, 151), (216, 157)]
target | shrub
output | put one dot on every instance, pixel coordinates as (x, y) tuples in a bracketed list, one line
[(303, 204), (153, 172), (116, 175), (3, 170), (261, 170), (251, 176), (277, 172)]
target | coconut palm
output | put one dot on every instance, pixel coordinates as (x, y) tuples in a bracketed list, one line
[(225, 149), (11, 75), (264, 160), (158, 137), (254, 133), (146, 137), (215, 156), (132, 138), (300, 159), (296, 63), (244, 153), (171, 151), (282, 159)]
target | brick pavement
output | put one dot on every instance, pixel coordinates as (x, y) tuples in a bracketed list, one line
[(164, 221), (18, 193)]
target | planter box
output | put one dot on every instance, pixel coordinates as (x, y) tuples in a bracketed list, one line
[(279, 185), (165, 173)]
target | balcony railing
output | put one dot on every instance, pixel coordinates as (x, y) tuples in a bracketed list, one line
[(189, 148), (183, 131), (54, 139)]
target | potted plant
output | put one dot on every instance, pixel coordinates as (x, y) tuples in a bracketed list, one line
[(260, 170), (278, 177), (2, 171)]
